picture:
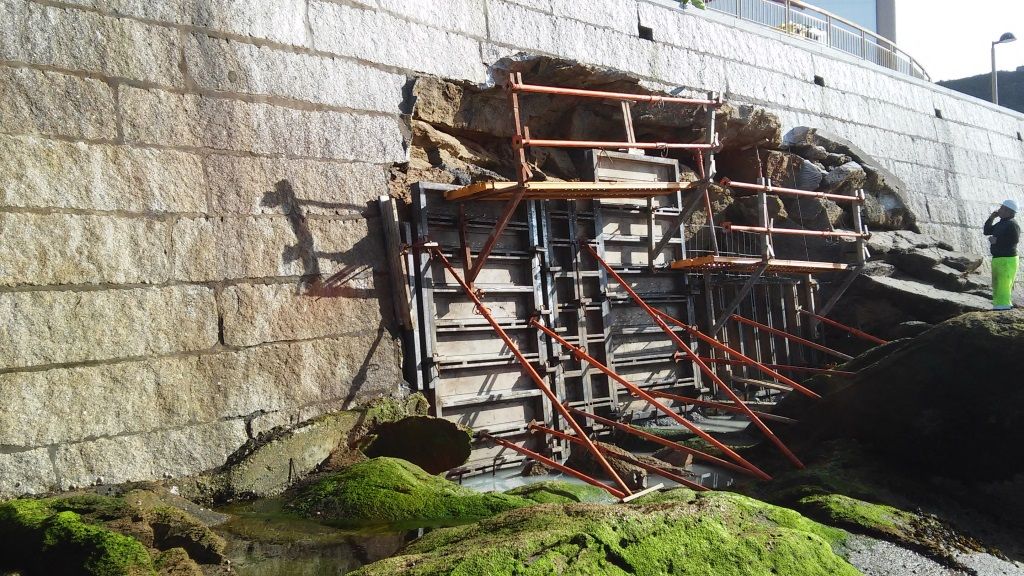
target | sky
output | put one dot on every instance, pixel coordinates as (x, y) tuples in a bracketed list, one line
[(953, 39)]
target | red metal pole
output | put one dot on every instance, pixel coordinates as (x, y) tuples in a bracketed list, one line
[(858, 333), (649, 467), (670, 444), (518, 86), (561, 467), (743, 358), (781, 367), (530, 371), (787, 191), (704, 367), (793, 231), (720, 406), (789, 336), (633, 388), (604, 144)]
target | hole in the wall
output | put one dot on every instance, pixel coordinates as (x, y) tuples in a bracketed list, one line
[(1019, 138), (938, 113), (819, 80), (645, 33)]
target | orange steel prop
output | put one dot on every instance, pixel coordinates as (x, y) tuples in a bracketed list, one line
[(548, 461), (720, 406), (518, 86), (743, 358), (639, 392), (793, 231), (670, 444), (602, 144), (649, 467), (792, 337), (530, 371), (780, 367), (700, 363), (858, 333), (787, 191)]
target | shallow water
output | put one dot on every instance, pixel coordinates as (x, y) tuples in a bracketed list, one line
[(264, 540)]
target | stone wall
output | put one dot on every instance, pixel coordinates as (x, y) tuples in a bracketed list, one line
[(170, 170)]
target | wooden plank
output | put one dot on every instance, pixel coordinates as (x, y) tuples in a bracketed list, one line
[(393, 245)]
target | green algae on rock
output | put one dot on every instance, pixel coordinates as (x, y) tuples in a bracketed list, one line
[(555, 492), (675, 533), (35, 537), (392, 491)]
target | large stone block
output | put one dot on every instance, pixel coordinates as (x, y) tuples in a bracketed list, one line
[(620, 15), (37, 102), (463, 16), (25, 473), (158, 117), (51, 327), (162, 454), (64, 249), (63, 405), (277, 20), (229, 66), (254, 314), (40, 173), (246, 185), (271, 246), (80, 40), (346, 31)]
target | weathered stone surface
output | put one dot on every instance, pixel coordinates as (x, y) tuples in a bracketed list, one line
[(812, 152), (54, 327), (40, 173), (617, 14), (62, 249), (846, 178), (162, 454), (80, 40), (245, 185), (339, 29), (747, 209), (68, 404), (158, 117), (28, 472), (278, 20), (37, 102), (465, 16), (815, 213), (273, 246), (260, 313), (746, 126), (962, 262), (230, 66), (782, 168), (876, 303)]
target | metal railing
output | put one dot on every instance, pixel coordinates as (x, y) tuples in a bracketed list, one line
[(820, 26)]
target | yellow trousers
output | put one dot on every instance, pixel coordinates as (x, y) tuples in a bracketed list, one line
[(1004, 273)]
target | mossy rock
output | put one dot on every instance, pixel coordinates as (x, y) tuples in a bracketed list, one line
[(677, 533), (554, 492), (839, 510), (37, 539), (389, 491)]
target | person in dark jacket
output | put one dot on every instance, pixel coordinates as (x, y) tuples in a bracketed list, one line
[(1003, 237)]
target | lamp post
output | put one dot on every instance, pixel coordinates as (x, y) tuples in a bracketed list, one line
[(1004, 39)]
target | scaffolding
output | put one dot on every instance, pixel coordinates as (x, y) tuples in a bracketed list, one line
[(558, 278)]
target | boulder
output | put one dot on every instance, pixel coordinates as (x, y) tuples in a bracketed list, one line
[(746, 126), (908, 329), (811, 152), (876, 303), (747, 209), (782, 168), (832, 160), (672, 534), (962, 262), (815, 213), (810, 176), (844, 179)]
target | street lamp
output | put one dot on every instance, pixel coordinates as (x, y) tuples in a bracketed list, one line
[(1004, 39)]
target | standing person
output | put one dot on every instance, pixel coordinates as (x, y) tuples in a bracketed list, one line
[(1003, 237)]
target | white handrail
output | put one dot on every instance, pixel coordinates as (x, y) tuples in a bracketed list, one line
[(796, 20)]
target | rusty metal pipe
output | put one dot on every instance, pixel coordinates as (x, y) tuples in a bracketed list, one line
[(858, 333), (780, 367), (720, 406), (792, 337), (652, 98), (639, 392), (793, 231), (788, 191), (603, 144), (649, 467), (560, 467), (529, 370), (670, 444), (737, 354), (703, 367)]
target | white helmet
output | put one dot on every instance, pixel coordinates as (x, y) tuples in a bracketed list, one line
[(1011, 204)]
